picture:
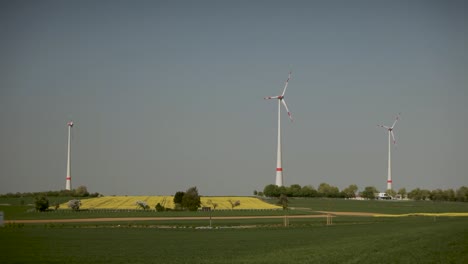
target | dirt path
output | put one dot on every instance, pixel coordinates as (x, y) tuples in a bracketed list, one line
[(348, 213), (123, 219)]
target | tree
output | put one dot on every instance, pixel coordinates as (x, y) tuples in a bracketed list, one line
[(391, 193), (81, 191), (418, 194), (142, 204), (159, 208), (234, 204), (283, 201), (308, 191), (191, 199), (462, 194), (402, 192), (255, 193), (271, 190), (369, 192), (326, 190), (178, 199), (212, 204), (415, 194), (41, 203), (294, 190), (350, 191), (74, 204), (449, 195), (282, 190)]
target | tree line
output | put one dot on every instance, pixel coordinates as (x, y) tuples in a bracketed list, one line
[(369, 192), (81, 191)]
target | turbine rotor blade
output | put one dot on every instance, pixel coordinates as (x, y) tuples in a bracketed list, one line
[(397, 117), (393, 137), (271, 97), (386, 127), (285, 106), (286, 84)]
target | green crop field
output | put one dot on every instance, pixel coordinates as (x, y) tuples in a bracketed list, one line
[(376, 206), (350, 239), (389, 240)]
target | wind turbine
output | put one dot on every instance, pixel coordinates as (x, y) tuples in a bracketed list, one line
[(391, 136), (279, 167), (68, 183)]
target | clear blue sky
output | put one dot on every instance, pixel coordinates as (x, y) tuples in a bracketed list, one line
[(166, 95)]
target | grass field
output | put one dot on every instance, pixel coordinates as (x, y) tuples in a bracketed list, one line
[(389, 240), (376, 206), (412, 237)]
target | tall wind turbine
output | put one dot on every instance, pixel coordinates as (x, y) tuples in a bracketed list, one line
[(279, 167), (68, 183), (391, 136)]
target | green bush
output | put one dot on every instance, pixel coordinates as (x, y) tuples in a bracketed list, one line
[(41, 203)]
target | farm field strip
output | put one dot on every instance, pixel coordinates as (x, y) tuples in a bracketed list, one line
[(423, 214), (129, 202), (187, 218)]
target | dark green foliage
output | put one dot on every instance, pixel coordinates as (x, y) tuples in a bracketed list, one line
[(283, 201), (418, 194), (350, 191), (191, 199), (391, 193), (160, 208), (327, 190), (294, 190), (81, 191), (308, 191), (462, 194), (369, 192), (41, 203), (178, 198), (271, 190)]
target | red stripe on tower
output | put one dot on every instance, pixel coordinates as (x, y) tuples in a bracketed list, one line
[(68, 178), (389, 181), (279, 169)]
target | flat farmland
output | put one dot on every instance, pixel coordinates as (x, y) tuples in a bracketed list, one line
[(368, 240), (242, 236)]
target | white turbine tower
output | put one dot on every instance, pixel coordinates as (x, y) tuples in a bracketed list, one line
[(68, 183), (391, 136), (279, 167)]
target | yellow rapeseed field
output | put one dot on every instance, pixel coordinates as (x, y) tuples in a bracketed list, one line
[(130, 202)]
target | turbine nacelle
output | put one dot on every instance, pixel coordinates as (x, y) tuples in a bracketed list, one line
[(70, 124), (281, 97), (390, 129)]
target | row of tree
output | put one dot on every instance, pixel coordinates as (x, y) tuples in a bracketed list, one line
[(327, 190), (80, 191)]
